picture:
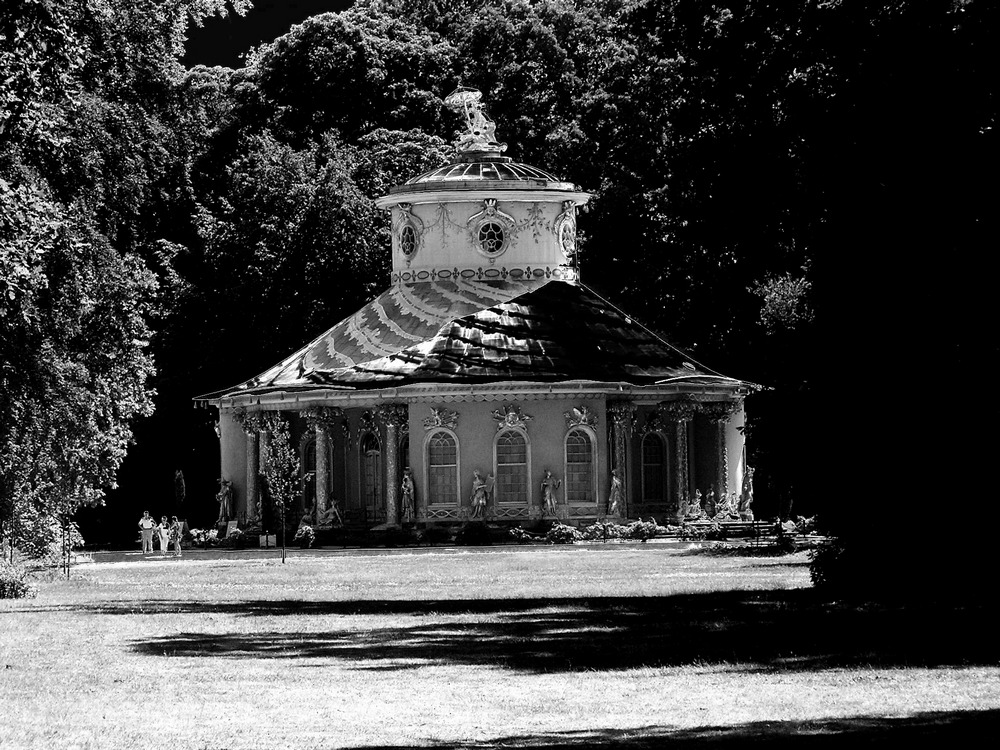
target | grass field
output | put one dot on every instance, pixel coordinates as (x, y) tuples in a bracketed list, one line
[(628, 647)]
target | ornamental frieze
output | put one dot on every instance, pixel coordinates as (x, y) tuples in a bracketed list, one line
[(322, 416), (623, 416), (441, 417), (391, 414), (511, 416), (367, 422), (721, 411), (520, 273), (250, 422), (681, 409)]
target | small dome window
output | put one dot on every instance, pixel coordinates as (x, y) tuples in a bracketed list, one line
[(491, 238)]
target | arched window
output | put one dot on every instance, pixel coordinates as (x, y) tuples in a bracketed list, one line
[(512, 469), (441, 449), (654, 468), (371, 473), (580, 467)]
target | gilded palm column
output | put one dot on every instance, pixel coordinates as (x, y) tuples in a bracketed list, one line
[(623, 422), (682, 411), (720, 412), (392, 416), (321, 419), (251, 424)]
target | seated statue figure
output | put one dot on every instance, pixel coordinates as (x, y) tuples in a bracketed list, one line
[(329, 517)]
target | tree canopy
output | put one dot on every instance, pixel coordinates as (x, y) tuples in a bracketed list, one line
[(793, 190)]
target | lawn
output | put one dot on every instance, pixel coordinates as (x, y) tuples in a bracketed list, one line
[(611, 646)]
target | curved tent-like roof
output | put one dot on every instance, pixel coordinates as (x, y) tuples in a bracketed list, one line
[(466, 331)]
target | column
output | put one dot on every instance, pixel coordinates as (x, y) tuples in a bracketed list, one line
[(623, 422), (320, 420), (392, 416), (681, 411), (720, 412), (322, 470)]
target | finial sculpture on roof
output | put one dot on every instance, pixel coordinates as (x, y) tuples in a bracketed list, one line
[(481, 135)]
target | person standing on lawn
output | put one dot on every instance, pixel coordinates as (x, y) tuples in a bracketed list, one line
[(176, 532), (146, 526), (164, 531)]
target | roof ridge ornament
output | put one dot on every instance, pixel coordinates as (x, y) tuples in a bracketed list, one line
[(481, 135)]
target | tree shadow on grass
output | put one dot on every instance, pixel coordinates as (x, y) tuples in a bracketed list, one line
[(768, 631), (957, 728)]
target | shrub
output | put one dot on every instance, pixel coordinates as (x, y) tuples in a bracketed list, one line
[(643, 530), (435, 535), (235, 540), (14, 583), (398, 537), (701, 532), (474, 534), (304, 536), (562, 534), (521, 535), (603, 530), (204, 537), (44, 542)]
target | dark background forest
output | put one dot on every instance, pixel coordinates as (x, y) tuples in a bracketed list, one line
[(801, 194)]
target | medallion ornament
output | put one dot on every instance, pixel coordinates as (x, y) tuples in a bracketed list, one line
[(441, 417), (580, 415), (511, 416)]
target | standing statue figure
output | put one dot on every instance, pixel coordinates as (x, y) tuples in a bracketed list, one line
[(406, 491), (694, 507), (549, 486), (746, 496), (710, 508), (224, 497), (480, 494), (615, 496)]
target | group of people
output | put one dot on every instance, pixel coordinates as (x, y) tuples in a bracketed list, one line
[(170, 532)]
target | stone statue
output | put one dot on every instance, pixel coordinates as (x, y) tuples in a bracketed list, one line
[(481, 134), (480, 494), (406, 492), (710, 508), (615, 496), (746, 496), (694, 507), (224, 497), (329, 517), (549, 486)]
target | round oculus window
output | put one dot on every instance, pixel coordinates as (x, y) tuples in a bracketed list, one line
[(491, 238), (408, 240)]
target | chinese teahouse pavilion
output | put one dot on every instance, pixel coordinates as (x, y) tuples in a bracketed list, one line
[(488, 381)]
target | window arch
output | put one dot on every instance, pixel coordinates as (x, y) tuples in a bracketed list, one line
[(655, 468), (512, 468), (580, 477), (441, 458)]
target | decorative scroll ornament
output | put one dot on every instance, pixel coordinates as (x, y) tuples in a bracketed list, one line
[(491, 230), (654, 423), (580, 415), (721, 411), (682, 409), (391, 414), (346, 427), (408, 231), (511, 416), (367, 422), (565, 229), (322, 416), (623, 416), (441, 417), (481, 134), (250, 422)]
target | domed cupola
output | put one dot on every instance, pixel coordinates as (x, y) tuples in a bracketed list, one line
[(483, 216)]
